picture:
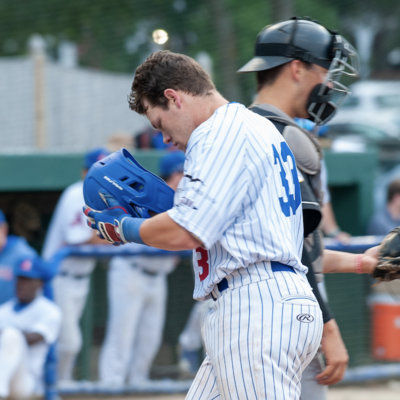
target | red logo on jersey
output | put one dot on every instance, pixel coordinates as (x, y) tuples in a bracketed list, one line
[(78, 219), (26, 265), (202, 262)]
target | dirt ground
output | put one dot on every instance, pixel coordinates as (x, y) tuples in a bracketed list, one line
[(388, 391)]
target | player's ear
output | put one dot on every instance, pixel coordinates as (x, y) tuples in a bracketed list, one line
[(296, 69), (174, 97)]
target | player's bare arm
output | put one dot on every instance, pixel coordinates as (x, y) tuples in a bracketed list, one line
[(340, 262), (164, 233), (336, 356)]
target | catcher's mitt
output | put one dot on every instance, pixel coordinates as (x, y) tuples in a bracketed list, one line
[(388, 267)]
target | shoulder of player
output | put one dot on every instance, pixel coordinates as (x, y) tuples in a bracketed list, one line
[(47, 306), (23, 248), (73, 189), (19, 246), (7, 308), (7, 305), (70, 196), (223, 127)]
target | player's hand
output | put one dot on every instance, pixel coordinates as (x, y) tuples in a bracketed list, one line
[(343, 237), (370, 260), (336, 356), (107, 222)]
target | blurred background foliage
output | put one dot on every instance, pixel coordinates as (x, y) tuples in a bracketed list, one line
[(115, 35)]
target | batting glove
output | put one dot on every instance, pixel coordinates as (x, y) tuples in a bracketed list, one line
[(108, 222)]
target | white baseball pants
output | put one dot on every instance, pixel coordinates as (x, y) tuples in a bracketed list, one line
[(70, 295), (16, 380), (137, 305), (259, 338)]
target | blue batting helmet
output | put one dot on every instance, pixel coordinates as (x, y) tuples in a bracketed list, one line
[(140, 192)]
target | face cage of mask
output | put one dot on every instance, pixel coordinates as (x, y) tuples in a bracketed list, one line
[(339, 66)]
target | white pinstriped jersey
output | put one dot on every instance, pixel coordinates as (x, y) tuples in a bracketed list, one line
[(240, 196)]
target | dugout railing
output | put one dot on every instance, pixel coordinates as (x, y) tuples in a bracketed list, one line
[(348, 294)]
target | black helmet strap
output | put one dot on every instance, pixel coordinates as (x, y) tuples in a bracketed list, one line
[(289, 51)]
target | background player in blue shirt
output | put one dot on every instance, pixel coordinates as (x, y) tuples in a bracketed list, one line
[(12, 248)]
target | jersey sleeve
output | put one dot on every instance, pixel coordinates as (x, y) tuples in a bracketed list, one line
[(211, 194), (48, 325)]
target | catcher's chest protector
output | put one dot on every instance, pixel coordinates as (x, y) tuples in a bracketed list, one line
[(308, 155)]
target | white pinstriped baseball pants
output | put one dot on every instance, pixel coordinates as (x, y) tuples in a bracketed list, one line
[(259, 338)]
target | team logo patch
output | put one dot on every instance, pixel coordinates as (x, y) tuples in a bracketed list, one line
[(306, 318), (26, 265)]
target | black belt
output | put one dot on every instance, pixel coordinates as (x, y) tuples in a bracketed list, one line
[(145, 271), (275, 266), (73, 275), (150, 273)]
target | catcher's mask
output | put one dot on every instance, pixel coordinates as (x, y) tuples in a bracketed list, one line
[(308, 41), (140, 192)]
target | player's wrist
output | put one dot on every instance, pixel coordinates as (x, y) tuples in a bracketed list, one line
[(358, 265), (129, 229)]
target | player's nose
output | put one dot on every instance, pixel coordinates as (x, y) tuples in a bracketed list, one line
[(167, 139)]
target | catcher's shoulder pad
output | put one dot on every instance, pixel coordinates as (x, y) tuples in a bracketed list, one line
[(306, 151)]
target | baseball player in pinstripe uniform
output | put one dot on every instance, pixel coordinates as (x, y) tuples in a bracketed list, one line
[(298, 64), (137, 296), (238, 208)]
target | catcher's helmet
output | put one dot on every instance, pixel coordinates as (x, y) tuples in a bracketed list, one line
[(140, 192), (308, 41)]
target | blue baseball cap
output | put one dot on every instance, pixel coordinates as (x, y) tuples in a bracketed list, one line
[(172, 162), (34, 268), (2, 218), (95, 155)]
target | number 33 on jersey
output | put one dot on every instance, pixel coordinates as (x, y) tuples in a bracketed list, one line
[(285, 169), (288, 191)]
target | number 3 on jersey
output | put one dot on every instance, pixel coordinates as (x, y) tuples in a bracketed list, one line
[(202, 262), (289, 179)]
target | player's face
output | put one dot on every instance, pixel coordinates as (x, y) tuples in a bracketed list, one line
[(176, 124), (26, 289), (312, 77)]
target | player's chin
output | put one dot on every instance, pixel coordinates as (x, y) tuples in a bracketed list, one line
[(179, 146)]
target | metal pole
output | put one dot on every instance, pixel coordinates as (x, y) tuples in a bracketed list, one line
[(37, 47)]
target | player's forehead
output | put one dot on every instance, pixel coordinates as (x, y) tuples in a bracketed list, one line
[(154, 114)]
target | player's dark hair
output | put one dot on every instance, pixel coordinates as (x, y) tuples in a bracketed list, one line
[(166, 70), (269, 76), (393, 189)]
